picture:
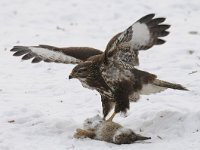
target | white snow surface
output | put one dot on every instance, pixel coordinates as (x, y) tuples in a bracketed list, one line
[(40, 108)]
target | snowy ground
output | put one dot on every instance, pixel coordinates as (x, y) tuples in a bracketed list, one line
[(40, 108)]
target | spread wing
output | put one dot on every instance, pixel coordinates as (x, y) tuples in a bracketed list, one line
[(46, 53), (143, 34)]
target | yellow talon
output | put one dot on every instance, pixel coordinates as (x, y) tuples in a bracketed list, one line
[(111, 117)]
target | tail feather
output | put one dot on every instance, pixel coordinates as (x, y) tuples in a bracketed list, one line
[(166, 84)]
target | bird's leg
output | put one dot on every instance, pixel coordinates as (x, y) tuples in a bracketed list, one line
[(111, 117), (121, 98), (107, 106)]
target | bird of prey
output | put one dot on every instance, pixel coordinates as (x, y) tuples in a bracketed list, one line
[(112, 73)]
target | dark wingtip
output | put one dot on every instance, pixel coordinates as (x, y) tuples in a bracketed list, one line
[(27, 56), (165, 33), (160, 28), (13, 49), (155, 22), (20, 52), (183, 88), (151, 15), (146, 18), (36, 60), (160, 41), (160, 20), (165, 26)]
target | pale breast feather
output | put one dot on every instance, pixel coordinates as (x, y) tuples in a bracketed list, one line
[(85, 84)]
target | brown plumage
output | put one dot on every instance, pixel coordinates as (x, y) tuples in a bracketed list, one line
[(112, 73)]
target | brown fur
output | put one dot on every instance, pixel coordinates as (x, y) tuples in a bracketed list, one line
[(108, 131)]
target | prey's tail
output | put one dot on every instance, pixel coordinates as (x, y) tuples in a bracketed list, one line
[(140, 137), (166, 84)]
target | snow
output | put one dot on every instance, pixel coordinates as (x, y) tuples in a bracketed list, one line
[(40, 108)]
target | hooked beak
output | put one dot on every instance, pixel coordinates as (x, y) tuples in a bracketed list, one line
[(70, 76)]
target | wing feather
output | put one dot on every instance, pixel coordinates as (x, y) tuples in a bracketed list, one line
[(155, 21), (142, 35), (28, 56), (20, 52), (49, 53), (36, 60), (159, 42), (146, 18)]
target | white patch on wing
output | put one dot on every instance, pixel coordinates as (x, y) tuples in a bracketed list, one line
[(150, 88), (141, 34), (53, 55)]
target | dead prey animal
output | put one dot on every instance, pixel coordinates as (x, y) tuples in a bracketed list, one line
[(99, 129)]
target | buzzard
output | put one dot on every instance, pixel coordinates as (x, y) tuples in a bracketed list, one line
[(112, 73)]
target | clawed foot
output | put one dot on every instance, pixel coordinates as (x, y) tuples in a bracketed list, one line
[(111, 117)]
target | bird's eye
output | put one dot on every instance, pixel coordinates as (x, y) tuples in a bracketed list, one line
[(82, 70)]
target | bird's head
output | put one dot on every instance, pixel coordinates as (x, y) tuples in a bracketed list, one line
[(81, 71), (124, 136)]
